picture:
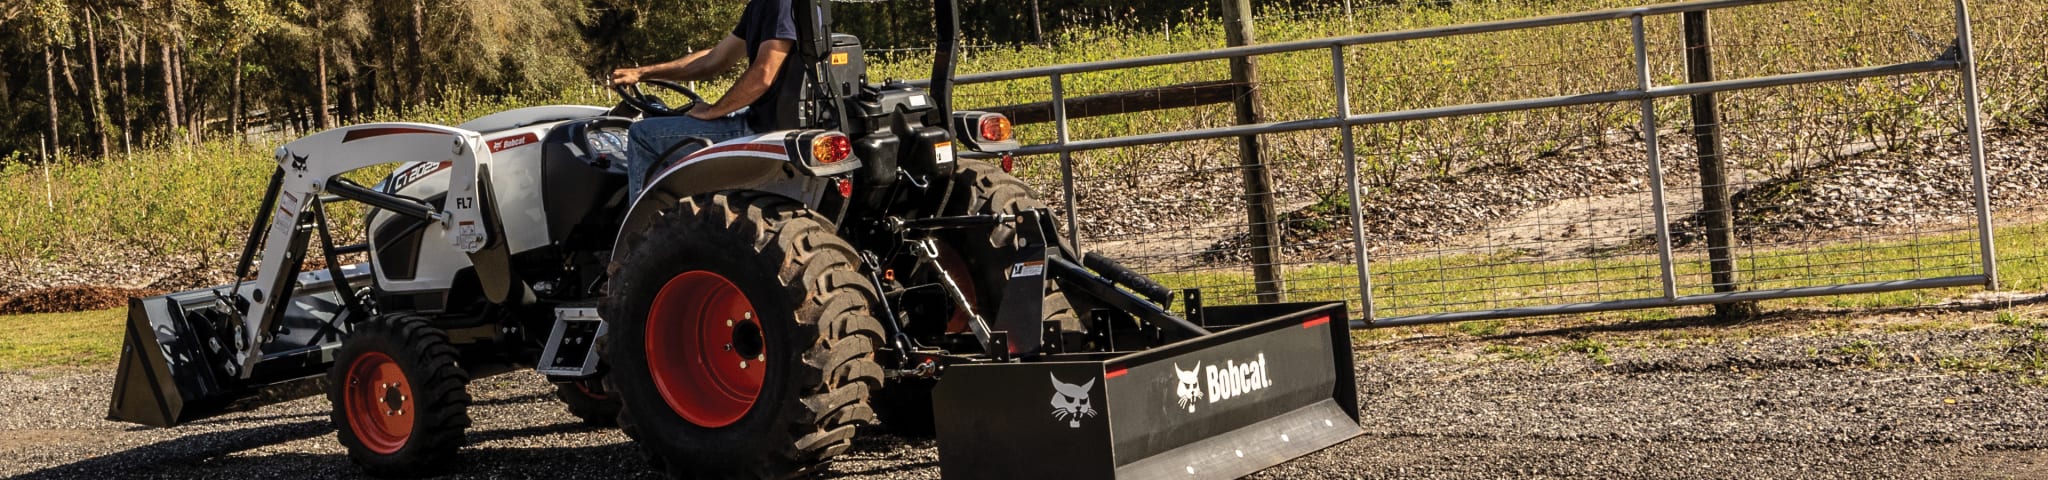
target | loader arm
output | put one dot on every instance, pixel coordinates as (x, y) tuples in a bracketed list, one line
[(310, 166)]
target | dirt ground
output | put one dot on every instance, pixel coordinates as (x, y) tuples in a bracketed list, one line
[(77, 298), (1935, 392)]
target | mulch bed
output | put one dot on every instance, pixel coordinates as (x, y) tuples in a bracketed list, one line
[(75, 298)]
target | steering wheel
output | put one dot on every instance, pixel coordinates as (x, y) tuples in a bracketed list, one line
[(652, 105)]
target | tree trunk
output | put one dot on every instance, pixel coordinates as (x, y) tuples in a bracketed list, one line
[(235, 106), (320, 86), (73, 94), (320, 70), (70, 82), (348, 94), (99, 96), (185, 97), (121, 75), (170, 88), (414, 60), (394, 100), (50, 87)]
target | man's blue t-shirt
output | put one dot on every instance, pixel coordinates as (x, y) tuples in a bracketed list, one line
[(765, 20)]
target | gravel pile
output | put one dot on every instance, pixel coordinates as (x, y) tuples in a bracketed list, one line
[(1687, 402)]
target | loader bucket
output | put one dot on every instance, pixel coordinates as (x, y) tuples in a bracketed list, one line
[(1218, 406), (176, 358)]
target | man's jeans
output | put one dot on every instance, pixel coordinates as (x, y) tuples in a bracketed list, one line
[(653, 136)]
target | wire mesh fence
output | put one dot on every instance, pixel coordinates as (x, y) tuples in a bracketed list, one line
[(1852, 184)]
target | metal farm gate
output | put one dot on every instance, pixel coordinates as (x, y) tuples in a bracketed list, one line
[(1617, 173)]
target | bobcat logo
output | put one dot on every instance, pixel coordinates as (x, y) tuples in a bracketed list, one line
[(298, 161), (1190, 387), (1070, 402)]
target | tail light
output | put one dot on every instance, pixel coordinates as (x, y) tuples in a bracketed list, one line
[(831, 148), (984, 131), (821, 153), (995, 128)]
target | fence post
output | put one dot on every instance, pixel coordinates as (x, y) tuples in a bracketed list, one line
[(1653, 149), (1258, 182), (49, 188), (1347, 146), (1059, 119), (1716, 207), (1973, 112)]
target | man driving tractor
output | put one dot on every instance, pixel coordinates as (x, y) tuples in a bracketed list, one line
[(765, 35)]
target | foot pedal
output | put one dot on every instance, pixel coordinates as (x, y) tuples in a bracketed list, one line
[(572, 345)]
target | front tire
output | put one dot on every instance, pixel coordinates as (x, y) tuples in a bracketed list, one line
[(742, 342), (398, 397)]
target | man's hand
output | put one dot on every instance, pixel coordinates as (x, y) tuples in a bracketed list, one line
[(626, 76)]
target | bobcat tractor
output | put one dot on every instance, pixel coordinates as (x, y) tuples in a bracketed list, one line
[(748, 313)]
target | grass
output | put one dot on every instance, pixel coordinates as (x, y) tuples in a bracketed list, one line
[(1484, 328), (1592, 348), (77, 339), (1468, 282)]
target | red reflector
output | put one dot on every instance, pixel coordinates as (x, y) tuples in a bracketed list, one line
[(1009, 164), (1116, 371), (1312, 323), (845, 188)]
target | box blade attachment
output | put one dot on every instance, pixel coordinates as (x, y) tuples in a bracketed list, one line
[(1218, 406)]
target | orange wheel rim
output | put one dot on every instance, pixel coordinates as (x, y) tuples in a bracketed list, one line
[(379, 403), (706, 349)]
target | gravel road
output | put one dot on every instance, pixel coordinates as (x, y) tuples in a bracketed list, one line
[(1915, 395)]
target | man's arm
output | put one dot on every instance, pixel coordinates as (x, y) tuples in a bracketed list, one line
[(700, 65), (767, 64)]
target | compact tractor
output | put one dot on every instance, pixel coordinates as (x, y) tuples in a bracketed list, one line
[(745, 314)]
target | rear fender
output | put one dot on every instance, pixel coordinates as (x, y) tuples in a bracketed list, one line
[(763, 162)]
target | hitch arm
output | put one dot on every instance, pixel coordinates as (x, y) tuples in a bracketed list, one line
[(1075, 276)]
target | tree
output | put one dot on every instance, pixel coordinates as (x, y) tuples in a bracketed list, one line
[(52, 20)]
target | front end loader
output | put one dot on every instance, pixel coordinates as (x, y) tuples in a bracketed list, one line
[(747, 311)]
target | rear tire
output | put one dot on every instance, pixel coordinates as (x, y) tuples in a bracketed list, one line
[(398, 397), (589, 401), (742, 342), (981, 188)]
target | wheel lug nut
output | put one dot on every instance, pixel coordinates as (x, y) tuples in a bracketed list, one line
[(728, 322), (728, 347), (743, 364), (748, 315)]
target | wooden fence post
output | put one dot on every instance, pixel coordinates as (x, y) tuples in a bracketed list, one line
[(1260, 213), (1716, 208)]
